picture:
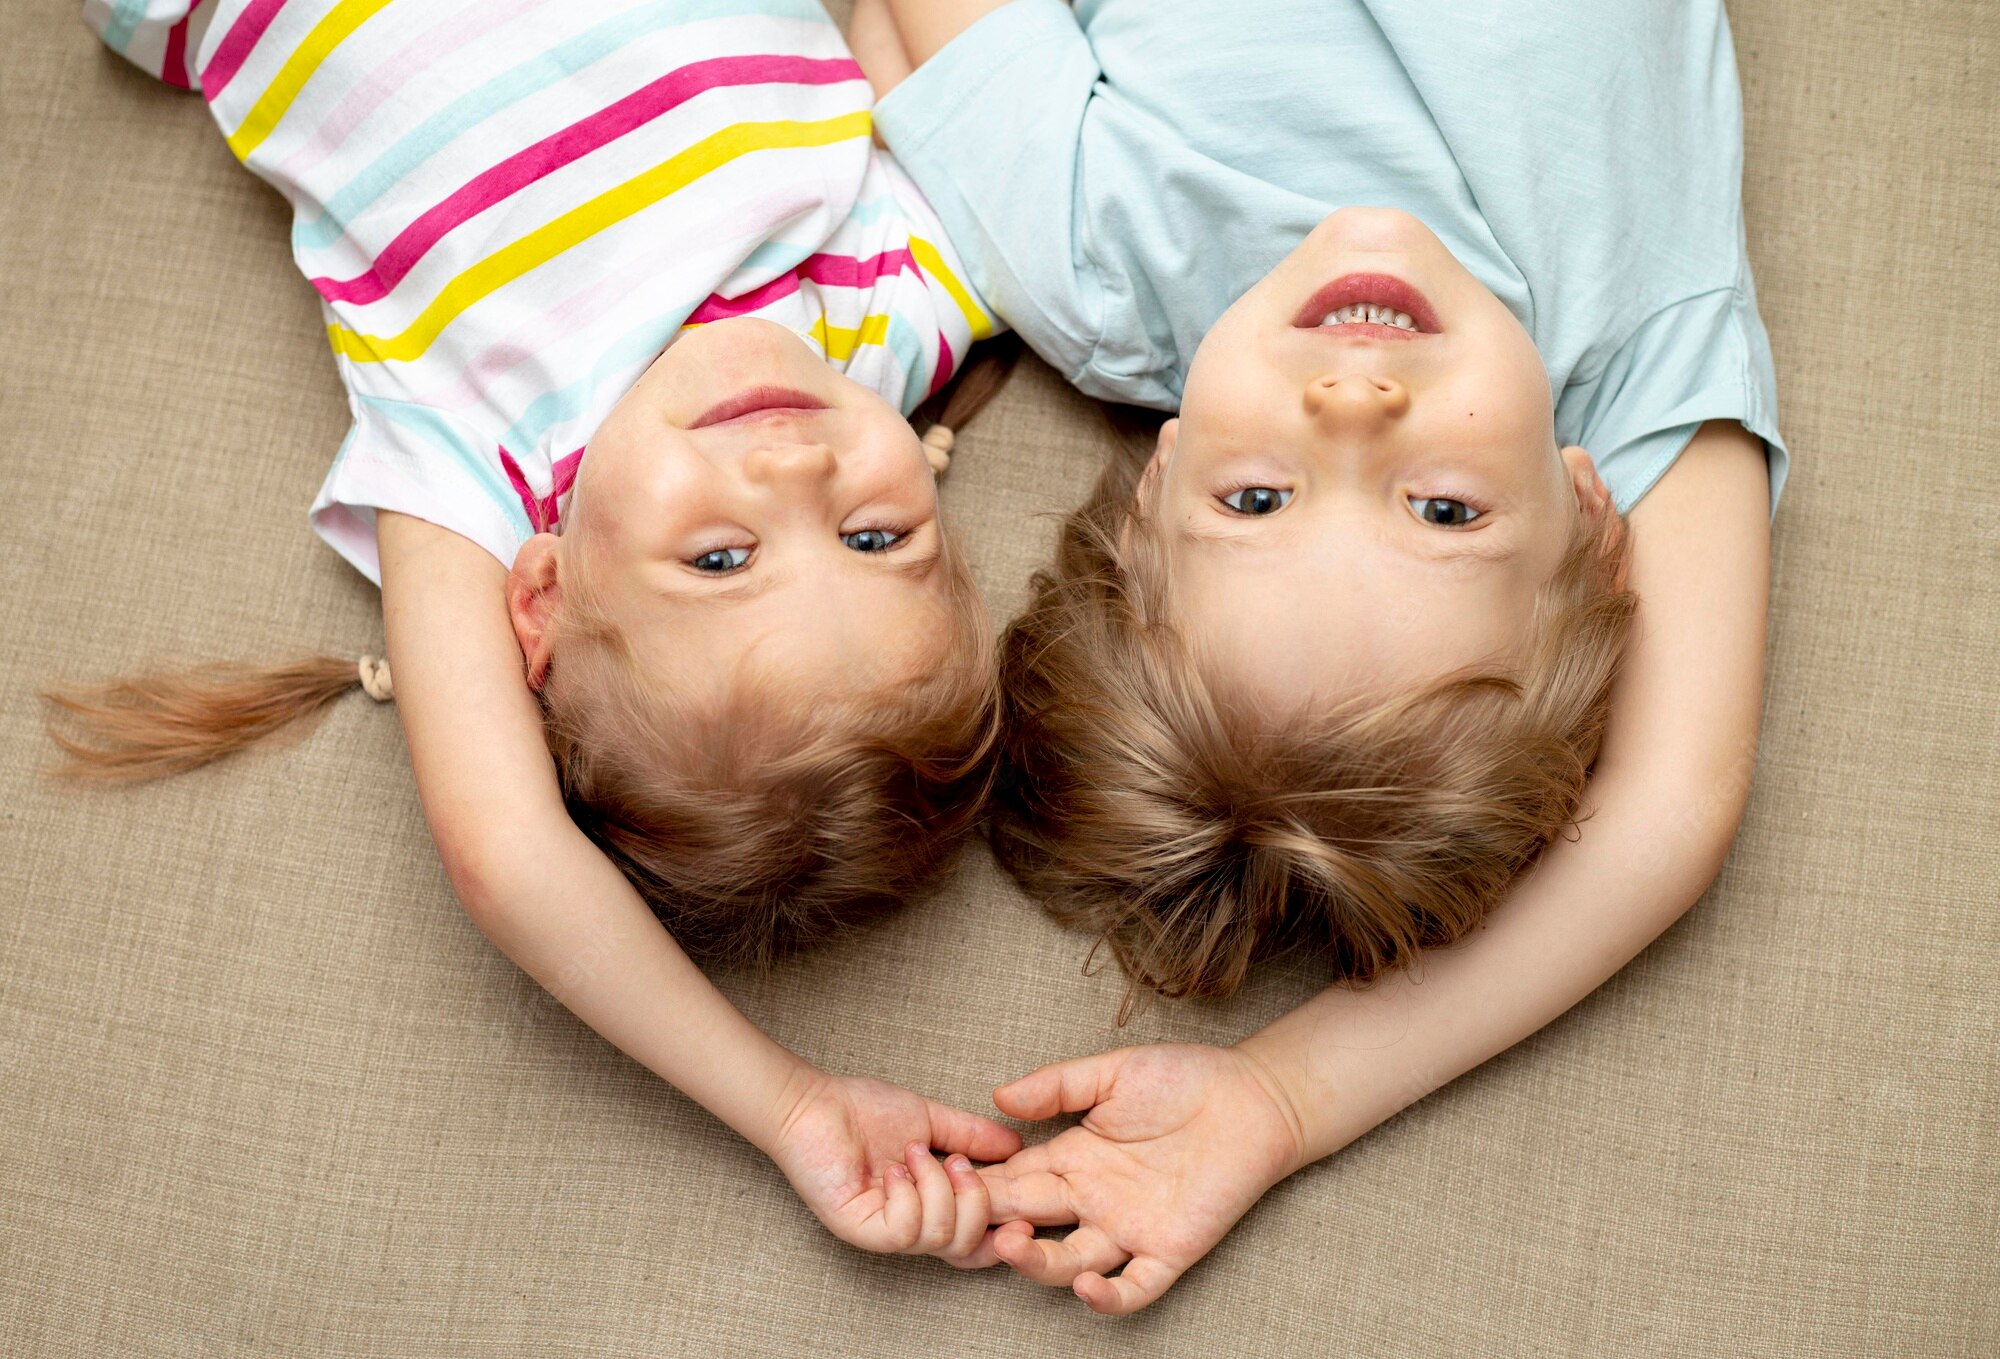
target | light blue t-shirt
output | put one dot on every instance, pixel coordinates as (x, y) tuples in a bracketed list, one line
[(1116, 175)]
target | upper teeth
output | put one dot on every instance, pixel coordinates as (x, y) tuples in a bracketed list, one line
[(1371, 314)]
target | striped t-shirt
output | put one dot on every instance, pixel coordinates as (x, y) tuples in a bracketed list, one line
[(510, 207)]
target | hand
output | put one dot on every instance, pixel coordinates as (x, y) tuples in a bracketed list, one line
[(859, 1154), (1177, 1144)]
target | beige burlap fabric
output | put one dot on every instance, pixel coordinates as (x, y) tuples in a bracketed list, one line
[(263, 1088)]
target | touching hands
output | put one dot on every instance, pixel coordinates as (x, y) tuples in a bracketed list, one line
[(859, 1152), (1177, 1143)]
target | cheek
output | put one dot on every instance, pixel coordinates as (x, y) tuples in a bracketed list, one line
[(1226, 361), (1504, 404), (636, 497), (892, 468)]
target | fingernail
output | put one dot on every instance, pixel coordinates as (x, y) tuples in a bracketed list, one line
[(916, 1149), (901, 1172), (959, 1164)]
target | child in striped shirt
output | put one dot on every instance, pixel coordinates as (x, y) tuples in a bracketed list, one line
[(630, 311)]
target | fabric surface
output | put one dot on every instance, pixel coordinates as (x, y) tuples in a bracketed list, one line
[(508, 208), (1603, 208), (264, 1089)]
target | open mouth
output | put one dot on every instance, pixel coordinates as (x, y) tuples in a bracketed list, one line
[(1373, 306), (757, 403)]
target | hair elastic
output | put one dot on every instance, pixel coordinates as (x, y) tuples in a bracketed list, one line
[(938, 441), (375, 680)]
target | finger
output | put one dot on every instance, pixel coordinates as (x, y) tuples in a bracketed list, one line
[(969, 1227), (1041, 1156), (1010, 1229), (1058, 1263), (1139, 1285), (983, 1255), (979, 1138), (938, 1214), (1061, 1087), (902, 1209), (1037, 1197)]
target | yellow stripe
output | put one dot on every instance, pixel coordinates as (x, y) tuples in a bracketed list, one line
[(840, 342), (931, 262), (544, 243), (326, 35)]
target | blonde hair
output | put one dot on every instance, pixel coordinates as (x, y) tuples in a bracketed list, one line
[(749, 826), (1136, 799)]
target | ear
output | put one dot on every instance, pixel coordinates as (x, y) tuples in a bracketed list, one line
[(1163, 452), (1594, 502), (1149, 479), (534, 590), (1592, 497)]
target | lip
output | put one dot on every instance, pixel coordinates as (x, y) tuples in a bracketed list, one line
[(1386, 290), (757, 403)]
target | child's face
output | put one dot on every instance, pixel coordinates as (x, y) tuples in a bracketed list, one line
[(745, 502), (1359, 507)]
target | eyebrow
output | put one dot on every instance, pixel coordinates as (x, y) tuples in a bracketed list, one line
[(918, 566), (1220, 537), (1485, 547), (748, 588), (1481, 547)]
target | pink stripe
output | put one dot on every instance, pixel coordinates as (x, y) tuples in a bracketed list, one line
[(555, 151), (837, 271), (845, 271), (945, 364), (174, 70), (719, 308), (237, 45), (542, 511)]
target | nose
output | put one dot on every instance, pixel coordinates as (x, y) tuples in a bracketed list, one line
[(789, 465), (1356, 402)]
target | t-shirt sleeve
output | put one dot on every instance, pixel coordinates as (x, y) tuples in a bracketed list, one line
[(991, 129), (934, 310), (417, 461), (160, 37), (1703, 358)]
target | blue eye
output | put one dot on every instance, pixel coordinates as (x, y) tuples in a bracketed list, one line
[(1257, 500), (1442, 512), (870, 540), (721, 560)]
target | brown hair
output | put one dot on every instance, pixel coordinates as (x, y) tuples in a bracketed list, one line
[(1138, 801), (747, 830), (756, 824)]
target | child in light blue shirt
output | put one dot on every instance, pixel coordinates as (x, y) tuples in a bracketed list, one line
[(1439, 291)]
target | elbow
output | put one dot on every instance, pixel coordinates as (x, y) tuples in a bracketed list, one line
[(483, 872), (1693, 827)]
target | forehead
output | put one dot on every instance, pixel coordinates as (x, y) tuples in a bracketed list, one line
[(823, 634), (1292, 623)]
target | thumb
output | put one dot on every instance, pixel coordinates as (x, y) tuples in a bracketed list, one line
[(1062, 1087), (979, 1138)]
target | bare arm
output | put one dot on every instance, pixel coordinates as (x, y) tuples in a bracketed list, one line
[(1178, 1142), (552, 902), (877, 47), (927, 25), (489, 791), (1668, 793)]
